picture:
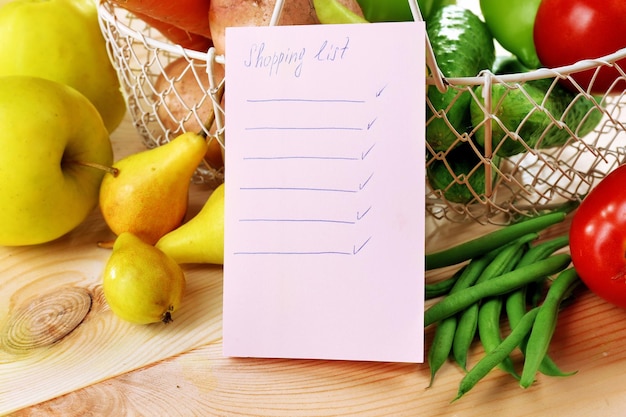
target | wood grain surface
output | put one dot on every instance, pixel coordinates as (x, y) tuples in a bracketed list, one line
[(107, 367)]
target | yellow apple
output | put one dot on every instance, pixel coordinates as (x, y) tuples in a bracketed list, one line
[(61, 40), (52, 135)]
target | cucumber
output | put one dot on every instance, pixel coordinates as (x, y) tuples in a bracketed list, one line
[(461, 173), (517, 110), (508, 65), (463, 46)]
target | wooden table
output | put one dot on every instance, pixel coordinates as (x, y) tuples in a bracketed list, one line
[(106, 367)]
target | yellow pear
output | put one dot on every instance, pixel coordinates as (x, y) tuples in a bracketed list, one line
[(142, 284), (148, 192), (201, 239)]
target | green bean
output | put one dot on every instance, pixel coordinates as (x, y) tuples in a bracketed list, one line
[(468, 318), (489, 331), (515, 304), (489, 315), (499, 285), (465, 334), (446, 329), (441, 346), (493, 358), (545, 324), (507, 258), (490, 241), (566, 208), (464, 277), (442, 287), (516, 301)]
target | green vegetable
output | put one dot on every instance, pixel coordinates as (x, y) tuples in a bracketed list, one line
[(511, 23), (463, 46), (515, 303), (461, 176), (468, 318), (493, 358), (442, 287), (466, 329), (545, 324), (489, 311), (333, 12), (398, 10), (504, 261), (490, 241), (499, 285), (508, 65), (467, 323), (518, 109), (441, 345), (446, 329)]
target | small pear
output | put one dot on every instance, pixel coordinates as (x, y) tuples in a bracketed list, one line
[(142, 284), (201, 239), (148, 194)]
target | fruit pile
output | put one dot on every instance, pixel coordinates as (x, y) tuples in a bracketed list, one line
[(60, 100)]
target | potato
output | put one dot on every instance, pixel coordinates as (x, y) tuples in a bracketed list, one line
[(182, 91), (225, 13), (177, 35)]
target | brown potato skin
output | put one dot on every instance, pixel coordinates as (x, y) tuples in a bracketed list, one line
[(174, 107)]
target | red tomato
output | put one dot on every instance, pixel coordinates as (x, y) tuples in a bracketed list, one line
[(568, 31), (598, 238)]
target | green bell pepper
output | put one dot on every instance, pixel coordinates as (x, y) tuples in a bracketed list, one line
[(398, 10), (511, 24), (333, 12)]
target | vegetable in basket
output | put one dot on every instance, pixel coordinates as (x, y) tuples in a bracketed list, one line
[(334, 12), (511, 24), (568, 31), (189, 15), (399, 10), (598, 238), (463, 46), (522, 116), (461, 177), (508, 65), (176, 35)]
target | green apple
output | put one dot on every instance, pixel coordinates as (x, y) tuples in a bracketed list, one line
[(61, 40), (52, 140)]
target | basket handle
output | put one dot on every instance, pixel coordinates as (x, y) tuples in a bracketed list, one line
[(431, 62)]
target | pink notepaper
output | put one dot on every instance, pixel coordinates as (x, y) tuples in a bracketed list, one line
[(324, 223)]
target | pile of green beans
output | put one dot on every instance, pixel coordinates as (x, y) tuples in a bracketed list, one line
[(506, 274)]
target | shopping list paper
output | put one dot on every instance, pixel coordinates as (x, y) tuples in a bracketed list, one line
[(324, 198)]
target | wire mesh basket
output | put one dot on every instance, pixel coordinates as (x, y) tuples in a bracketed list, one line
[(169, 89), (507, 168)]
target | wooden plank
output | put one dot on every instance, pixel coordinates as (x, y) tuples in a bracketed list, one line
[(102, 346)]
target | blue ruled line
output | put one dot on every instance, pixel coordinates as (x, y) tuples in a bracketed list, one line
[(294, 253), (304, 128), (298, 220), (303, 100), (332, 190)]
